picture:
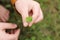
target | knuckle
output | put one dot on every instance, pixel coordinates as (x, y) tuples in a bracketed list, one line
[(36, 3)]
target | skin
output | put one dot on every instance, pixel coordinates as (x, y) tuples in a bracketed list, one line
[(4, 14), (6, 36), (24, 7)]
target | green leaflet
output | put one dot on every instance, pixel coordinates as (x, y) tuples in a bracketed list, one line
[(29, 19), (33, 38)]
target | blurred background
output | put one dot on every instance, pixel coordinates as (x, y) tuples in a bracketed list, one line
[(47, 29)]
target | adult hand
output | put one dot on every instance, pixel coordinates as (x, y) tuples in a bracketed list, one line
[(4, 14), (6, 36), (29, 7)]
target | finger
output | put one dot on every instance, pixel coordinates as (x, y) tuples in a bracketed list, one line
[(35, 12), (15, 35), (23, 11), (24, 16), (40, 17), (6, 16), (2, 18), (3, 13), (17, 32), (7, 26)]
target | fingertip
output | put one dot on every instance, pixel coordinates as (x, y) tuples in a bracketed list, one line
[(25, 24), (30, 24), (12, 25), (15, 25), (18, 31)]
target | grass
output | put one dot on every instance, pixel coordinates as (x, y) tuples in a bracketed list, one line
[(47, 29)]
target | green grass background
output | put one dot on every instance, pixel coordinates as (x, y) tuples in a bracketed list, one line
[(47, 29)]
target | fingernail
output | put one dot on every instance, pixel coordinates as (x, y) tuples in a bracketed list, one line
[(15, 25), (30, 25), (25, 24)]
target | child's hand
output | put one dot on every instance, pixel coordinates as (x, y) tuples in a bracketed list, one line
[(6, 36), (29, 7), (4, 14)]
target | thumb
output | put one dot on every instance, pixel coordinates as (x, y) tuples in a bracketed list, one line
[(24, 16), (7, 26), (23, 10)]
